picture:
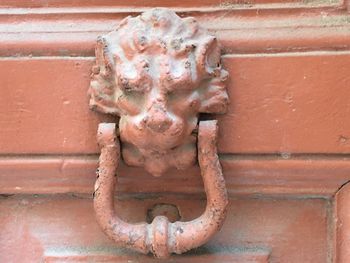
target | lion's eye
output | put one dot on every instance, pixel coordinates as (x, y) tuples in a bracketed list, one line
[(129, 104), (138, 85), (178, 94), (125, 85)]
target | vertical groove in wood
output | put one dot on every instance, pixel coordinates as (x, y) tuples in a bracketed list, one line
[(342, 225)]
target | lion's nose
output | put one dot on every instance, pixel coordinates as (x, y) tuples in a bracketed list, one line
[(158, 121)]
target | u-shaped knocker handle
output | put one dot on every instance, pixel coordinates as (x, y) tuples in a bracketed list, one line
[(161, 237)]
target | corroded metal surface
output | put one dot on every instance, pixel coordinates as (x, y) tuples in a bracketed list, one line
[(161, 237), (157, 72)]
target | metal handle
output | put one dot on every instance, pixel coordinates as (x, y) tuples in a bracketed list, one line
[(161, 237), (158, 72)]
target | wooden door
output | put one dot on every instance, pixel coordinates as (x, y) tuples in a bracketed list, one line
[(284, 143)]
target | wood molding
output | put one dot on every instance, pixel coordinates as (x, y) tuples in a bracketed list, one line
[(182, 4), (298, 111), (264, 175), (64, 225), (238, 256), (342, 224), (73, 32)]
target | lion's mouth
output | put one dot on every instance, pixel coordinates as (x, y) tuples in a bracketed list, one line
[(157, 162), (163, 138)]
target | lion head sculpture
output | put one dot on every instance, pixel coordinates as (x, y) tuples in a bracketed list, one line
[(157, 72)]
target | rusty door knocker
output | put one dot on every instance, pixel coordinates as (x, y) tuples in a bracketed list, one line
[(157, 72)]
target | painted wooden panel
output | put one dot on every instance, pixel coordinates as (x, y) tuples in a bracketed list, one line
[(285, 103), (342, 224), (73, 32), (252, 176), (284, 144), (55, 227), (163, 3)]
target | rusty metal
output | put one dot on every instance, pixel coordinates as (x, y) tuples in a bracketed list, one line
[(161, 237), (157, 72)]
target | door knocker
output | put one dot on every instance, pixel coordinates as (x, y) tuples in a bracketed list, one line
[(158, 72)]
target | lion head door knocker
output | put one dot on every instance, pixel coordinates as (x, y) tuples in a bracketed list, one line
[(158, 72)]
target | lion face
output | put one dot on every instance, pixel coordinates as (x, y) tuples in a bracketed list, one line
[(158, 72)]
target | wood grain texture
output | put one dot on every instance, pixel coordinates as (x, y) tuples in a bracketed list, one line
[(285, 103)]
